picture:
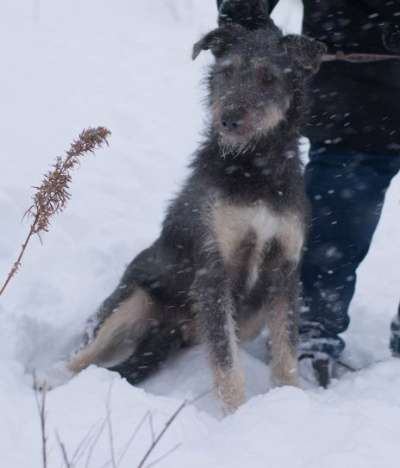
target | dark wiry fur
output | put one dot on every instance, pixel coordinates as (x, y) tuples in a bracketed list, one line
[(204, 280)]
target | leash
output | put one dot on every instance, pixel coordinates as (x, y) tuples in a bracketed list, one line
[(358, 58)]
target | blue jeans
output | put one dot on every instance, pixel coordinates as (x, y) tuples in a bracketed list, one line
[(347, 191)]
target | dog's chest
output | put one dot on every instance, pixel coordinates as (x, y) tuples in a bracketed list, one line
[(249, 228), (234, 223)]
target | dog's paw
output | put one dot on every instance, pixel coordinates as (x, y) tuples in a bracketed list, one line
[(230, 389), (58, 374)]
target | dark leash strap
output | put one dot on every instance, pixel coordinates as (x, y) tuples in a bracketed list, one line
[(359, 58)]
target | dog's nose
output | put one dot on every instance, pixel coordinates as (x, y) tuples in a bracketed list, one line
[(231, 122)]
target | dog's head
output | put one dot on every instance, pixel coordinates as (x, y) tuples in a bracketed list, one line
[(254, 78)]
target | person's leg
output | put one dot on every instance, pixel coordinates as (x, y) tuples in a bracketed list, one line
[(251, 14), (347, 192)]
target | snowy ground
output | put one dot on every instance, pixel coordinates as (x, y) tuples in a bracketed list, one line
[(71, 64)]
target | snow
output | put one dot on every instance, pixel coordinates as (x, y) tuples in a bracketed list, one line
[(288, 15), (70, 64)]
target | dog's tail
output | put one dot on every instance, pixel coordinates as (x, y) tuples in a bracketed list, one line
[(159, 343)]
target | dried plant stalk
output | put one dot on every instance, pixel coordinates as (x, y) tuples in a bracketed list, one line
[(156, 441), (64, 453), (52, 195), (41, 407)]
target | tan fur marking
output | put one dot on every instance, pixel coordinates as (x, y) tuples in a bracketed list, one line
[(230, 388), (284, 360), (272, 117), (230, 382), (291, 236), (115, 340), (232, 223)]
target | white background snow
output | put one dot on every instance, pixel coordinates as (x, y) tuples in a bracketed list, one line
[(70, 64)]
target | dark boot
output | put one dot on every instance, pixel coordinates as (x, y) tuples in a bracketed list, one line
[(395, 335), (251, 14), (323, 371), (318, 368), (321, 350)]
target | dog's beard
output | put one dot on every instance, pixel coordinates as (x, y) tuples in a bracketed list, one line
[(236, 147), (260, 126)]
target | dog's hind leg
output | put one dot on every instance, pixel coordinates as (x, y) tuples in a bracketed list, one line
[(159, 343), (123, 323), (112, 334)]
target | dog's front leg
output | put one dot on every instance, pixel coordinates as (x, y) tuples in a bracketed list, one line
[(281, 310), (216, 318)]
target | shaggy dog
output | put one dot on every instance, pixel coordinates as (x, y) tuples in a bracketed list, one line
[(227, 260)]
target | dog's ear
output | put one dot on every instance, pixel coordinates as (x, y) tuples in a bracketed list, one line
[(306, 53), (219, 41)]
